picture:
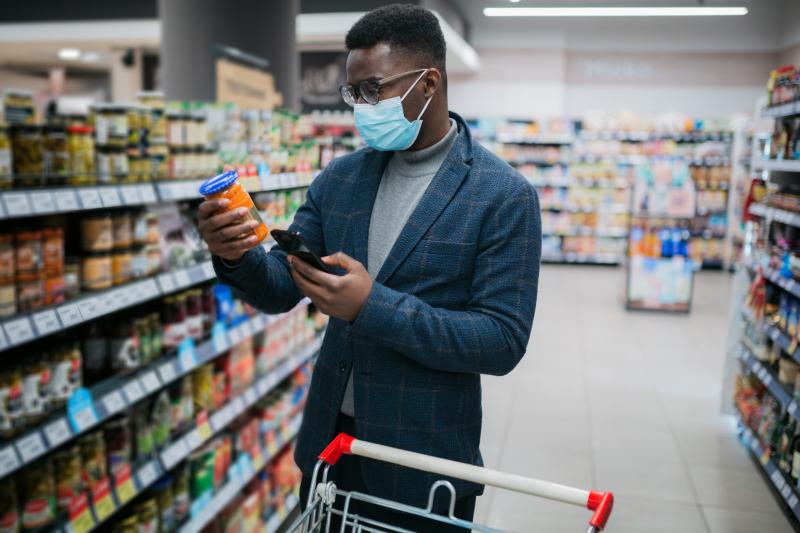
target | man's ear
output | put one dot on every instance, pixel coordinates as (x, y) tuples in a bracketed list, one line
[(433, 82)]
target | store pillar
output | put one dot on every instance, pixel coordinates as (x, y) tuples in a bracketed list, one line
[(192, 30)]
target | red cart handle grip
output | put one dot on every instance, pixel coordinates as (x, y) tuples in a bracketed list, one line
[(601, 503), (338, 446)]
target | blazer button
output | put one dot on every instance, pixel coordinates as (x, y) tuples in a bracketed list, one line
[(342, 366)]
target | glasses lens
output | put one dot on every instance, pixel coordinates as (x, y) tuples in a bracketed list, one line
[(348, 94), (370, 91)]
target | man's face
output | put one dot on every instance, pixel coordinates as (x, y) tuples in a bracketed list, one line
[(379, 62)]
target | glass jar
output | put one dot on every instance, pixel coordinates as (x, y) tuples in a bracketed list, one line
[(226, 185), (31, 293), (121, 266), (194, 314), (29, 260), (103, 158), (72, 277), (97, 233), (80, 148), (27, 155), (55, 154), (173, 320), (6, 177), (123, 232), (119, 165), (55, 289), (53, 250), (96, 271), (38, 495)]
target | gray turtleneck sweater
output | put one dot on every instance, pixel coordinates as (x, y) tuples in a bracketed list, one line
[(404, 181)]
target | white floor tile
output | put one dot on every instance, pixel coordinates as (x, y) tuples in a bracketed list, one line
[(722, 520)]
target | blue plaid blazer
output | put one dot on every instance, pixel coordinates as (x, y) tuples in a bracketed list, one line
[(454, 299)]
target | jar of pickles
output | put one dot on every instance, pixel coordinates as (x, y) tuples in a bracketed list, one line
[(80, 149), (28, 156), (55, 154)]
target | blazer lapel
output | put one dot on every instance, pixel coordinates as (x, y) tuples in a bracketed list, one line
[(441, 190), (366, 188)]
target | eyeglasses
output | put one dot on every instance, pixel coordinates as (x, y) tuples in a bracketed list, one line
[(370, 90)]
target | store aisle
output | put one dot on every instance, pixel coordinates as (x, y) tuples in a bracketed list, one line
[(627, 402)]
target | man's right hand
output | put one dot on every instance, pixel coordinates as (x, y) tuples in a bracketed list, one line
[(229, 234)]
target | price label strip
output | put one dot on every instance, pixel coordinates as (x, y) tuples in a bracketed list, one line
[(133, 391), (147, 474), (46, 322), (57, 432), (19, 330), (66, 201), (43, 202), (150, 382), (69, 315), (17, 204), (31, 446), (8, 460), (113, 402)]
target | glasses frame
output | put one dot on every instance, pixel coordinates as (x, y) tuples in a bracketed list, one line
[(355, 92)]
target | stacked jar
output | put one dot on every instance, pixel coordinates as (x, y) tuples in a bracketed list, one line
[(111, 137), (156, 151), (39, 268)]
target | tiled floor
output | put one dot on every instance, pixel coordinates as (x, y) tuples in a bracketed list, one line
[(627, 402)]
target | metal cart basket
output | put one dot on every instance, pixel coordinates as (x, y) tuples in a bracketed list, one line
[(320, 509)]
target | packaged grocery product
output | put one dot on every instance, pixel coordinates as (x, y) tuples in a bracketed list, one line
[(68, 476), (55, 154), (65, 370), (147, 515), (161, 418), (80, 149), (119, 446), (27, 154), (122, 229), (226, 185), (203, 387), (31, 292), (72, 277), (158, 334), (95, 352), (162, 493), (129, 524), (93, 457), (97, 233), (55, 289), (29, 254), (194, 314), (9, 515), (12, 409), (38, 495), (97, 271), (180, 493), (173, 319), (143, 430), (6, 178), (121, 266), (123, 346), (35, 389)]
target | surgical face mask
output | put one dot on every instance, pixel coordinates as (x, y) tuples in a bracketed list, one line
[(384, 126)]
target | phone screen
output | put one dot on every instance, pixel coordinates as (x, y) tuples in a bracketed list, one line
[(293, 244)]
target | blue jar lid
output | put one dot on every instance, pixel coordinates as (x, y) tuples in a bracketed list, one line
[(218, 183)]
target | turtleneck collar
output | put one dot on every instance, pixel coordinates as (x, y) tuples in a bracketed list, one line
[(425, 162)]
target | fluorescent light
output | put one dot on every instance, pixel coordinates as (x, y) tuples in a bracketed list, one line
[(90, 57), (698, 11), (69, 54)]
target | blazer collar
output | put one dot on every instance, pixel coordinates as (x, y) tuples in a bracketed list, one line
[(441, 190)]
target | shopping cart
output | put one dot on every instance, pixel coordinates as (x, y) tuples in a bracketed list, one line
[(320, 510)]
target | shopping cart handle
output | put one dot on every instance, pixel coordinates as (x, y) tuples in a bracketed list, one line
[(601, 503), (338, 446)]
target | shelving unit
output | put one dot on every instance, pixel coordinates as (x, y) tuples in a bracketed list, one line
[(769, 343)]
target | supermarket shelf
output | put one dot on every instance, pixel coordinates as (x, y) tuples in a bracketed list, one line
[(276, 521), (776, 334), (773, 165), (642, 136), (242, 473), (604, 209), (789, 495), (187, 443), (619, 233), (536, 139), (115, 395), (583, 259), (568, 181), (770, 381), (784, 110), (45, 322), (779, 215), (789, 285), (47, 201)]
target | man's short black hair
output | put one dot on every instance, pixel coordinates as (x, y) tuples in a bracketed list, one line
[(411, 28)]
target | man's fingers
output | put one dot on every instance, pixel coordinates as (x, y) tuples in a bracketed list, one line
[(315, 275), (307, 287), (227, 218), (235, 246), (209, 207), (237, 230), (341, 260)]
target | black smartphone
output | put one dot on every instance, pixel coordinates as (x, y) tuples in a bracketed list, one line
[(293, 243)]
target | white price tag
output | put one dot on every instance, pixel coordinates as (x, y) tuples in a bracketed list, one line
[(166, 282), (247, 329), (250, 396), (167, 372), (43, 202), (147, 194), (793, 501), (110, 302), (17, 204), (69, 315), (262, 386), (66, 201), (84, 419), (19, 330), (113, 402), (147, 474), (110, 197), (182, 278), (239, 406), (132, 294), (767, 379), (174, 454), (217, 421), (133, 391), (193, 440), (90, 307), (57, 432), (131, 195), (31, 446), (46, 322), (90, 198), (8, 460), (122, 297), (150, 382), (208, 270)]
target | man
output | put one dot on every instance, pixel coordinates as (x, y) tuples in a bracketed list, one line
[(436, 243)]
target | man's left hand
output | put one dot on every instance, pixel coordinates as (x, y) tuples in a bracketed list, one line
[(336, 296)]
